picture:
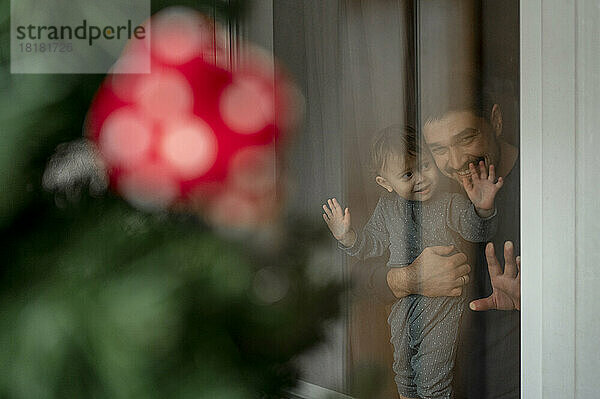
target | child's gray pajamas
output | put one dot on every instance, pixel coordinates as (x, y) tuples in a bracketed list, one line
[(424, 330)]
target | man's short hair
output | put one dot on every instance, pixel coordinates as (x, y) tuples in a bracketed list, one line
[(392, 141), (468, 93), (465, 93)]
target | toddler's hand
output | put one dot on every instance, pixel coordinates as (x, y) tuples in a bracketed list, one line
[(480, 187), (338, 221)]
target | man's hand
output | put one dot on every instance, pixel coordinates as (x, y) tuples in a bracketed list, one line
[(338, 222), (507, 285), (482, 188), (434, 273)]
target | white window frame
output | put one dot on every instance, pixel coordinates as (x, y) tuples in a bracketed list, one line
[(560, 115), (547, 238)]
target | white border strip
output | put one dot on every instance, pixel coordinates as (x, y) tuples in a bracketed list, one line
[(531, 197), (548, 130)]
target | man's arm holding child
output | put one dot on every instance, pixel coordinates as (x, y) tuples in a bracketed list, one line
[(435, 272)]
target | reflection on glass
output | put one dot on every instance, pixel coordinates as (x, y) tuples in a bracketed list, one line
[(431, 88)]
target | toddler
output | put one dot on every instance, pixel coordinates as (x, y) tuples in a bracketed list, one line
[(410, 216)]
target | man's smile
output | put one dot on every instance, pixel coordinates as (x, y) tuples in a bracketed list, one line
[(464, 170)]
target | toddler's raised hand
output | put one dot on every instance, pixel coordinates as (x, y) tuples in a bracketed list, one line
[(482, 188), (338, 221)]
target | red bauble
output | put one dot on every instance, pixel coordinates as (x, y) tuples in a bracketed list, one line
[(193, 130)]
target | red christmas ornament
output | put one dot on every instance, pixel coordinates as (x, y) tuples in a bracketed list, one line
[(193, 130)]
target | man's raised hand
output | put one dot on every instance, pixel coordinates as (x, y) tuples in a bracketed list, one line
[(506, 285), (338, 221), (482, 188)]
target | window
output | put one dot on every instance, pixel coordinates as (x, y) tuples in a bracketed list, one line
[(363, 65)]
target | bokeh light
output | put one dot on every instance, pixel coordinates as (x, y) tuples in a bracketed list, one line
[(194, 130), (189, 146)]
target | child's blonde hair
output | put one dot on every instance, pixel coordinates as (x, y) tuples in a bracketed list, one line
[(394, 140)]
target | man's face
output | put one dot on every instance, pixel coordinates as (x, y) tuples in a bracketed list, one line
[(410, 178), (458, 139)]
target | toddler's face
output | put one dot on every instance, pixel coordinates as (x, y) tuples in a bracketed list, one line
[(411, 178)]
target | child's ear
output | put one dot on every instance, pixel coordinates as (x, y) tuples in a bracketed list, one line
[(384, 183)]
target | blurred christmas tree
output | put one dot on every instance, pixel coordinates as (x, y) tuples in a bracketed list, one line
[(100, 300)]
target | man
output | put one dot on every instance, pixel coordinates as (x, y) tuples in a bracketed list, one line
[(488, 360)]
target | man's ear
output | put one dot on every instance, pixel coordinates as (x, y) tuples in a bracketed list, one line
[(496, 119), (384, 183)]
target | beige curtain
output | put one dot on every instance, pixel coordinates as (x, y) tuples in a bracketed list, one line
[(377, 90), (354, 61)]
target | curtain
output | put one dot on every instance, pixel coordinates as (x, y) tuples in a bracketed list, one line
[(353, 60), (377, 91)]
